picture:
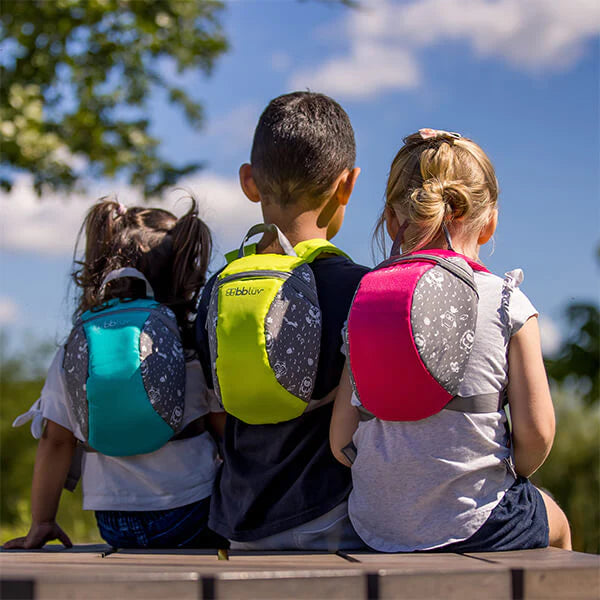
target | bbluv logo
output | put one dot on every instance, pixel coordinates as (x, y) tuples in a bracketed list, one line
[(244, 291)]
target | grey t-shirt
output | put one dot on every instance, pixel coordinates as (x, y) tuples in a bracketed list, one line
[(423, 484)]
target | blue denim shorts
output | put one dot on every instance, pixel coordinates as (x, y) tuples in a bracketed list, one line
[(181, 527), (519, 522)]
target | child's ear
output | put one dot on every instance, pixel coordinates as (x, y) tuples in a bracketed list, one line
[(488, 231), (345, 185), (248, 184)]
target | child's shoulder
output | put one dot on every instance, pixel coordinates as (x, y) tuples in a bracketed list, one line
[(337, 275), (339, 266), (509, 283), (503, 294)]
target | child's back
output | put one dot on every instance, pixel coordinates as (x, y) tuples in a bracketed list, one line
[(450, 470), (278, 477)]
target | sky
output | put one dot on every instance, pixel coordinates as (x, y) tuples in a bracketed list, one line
[(520, 77)]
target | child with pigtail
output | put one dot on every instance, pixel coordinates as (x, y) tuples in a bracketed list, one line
[(136, 259), (449, 476)]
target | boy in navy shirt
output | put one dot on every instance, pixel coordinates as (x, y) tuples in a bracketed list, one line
[(280, 487)]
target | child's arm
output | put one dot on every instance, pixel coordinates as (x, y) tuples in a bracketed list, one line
[(531, 410), (52, 462), (344, 420), (216, 423)]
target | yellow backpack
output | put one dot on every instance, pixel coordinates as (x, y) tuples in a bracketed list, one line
[(264, 329)]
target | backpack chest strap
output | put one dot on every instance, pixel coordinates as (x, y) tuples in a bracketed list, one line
[(477, 404)]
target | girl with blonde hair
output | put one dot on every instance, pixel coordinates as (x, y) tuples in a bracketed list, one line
[(457, 480)]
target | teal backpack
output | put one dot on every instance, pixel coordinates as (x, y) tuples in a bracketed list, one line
[(124, 368)]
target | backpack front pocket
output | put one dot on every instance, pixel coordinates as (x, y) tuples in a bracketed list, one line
[(265, 332)]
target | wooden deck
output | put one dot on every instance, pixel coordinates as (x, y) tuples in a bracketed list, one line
[(95, 572)]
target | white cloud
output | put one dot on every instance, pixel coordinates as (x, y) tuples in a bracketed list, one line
[(9, 311), (386, 38), (550, 336), (369, 70), (50, 225), (226, 210), (234, 130)]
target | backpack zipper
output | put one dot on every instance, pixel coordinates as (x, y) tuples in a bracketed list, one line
[(161, 317)]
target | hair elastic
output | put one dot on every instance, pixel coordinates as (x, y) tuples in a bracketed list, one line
[(121, 209)]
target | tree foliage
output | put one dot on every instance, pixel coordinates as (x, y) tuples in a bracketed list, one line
[(572, 471), (579, 357), (76, 79), (21, 380)]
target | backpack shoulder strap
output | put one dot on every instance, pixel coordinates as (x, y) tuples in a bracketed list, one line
[(234, 254), (269, 229), (309, 250)]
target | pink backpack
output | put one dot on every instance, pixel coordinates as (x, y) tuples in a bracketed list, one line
[(410, 333)]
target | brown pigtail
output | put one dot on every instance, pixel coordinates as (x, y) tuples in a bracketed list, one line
[(101, 225), (192, 246)]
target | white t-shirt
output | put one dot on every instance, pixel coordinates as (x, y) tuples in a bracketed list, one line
[(179, 473), (423, 484)]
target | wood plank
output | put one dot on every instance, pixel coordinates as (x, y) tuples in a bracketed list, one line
[(238, 560), (550, 573), (420, 575), (295, 584), (90, 585), (60, 549)]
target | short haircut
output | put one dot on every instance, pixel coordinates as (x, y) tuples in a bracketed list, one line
[(302, 143)]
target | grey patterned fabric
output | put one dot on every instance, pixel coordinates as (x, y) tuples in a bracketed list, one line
[(162, 368), (211, 325), (75, 365), (443, 318), (293, 333)]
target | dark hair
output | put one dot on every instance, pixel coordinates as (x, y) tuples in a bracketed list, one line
[(302, 143), (173, 254)]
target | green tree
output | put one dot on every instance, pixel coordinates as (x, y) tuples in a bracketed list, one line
[(76, 79), (21, 380), (77, 74), (572, 471), (578, 361)]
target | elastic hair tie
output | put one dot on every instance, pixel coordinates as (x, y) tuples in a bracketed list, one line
[(121, 209)]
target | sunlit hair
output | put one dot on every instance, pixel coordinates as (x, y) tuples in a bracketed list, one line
[(173, 254), (436, 181), (302, 143)]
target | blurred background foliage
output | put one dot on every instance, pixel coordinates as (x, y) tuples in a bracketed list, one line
[(21, 380), (77, 83), (77, 76), (571, 473)]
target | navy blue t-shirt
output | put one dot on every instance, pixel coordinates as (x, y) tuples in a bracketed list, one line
[(275, 477)]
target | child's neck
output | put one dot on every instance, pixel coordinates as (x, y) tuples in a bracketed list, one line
[(296, 225), (469, 247)]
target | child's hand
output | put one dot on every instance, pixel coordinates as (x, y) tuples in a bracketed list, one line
[(38, 535)]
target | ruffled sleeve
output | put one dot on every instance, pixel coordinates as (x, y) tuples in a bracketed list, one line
[(52, 404), (517, 309)]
